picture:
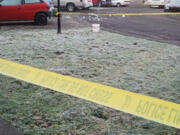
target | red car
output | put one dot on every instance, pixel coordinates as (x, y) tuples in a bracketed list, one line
[(97, 3), (100, 3), (24, 10)]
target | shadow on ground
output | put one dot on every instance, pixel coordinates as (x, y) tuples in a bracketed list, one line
[(6, 129)]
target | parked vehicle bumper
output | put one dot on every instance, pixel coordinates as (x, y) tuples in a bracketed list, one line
[(155, 3), (171, 8), (87, 5), (126, 3), (105, 3)]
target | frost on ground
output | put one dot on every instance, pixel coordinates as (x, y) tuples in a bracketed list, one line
[(133, 64)]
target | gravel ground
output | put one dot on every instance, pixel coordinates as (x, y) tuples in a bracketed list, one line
[(137, 65)]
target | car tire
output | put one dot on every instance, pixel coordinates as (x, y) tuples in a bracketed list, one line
[(161, 6), (118, 5), (166, 10), (87, 8), (70, 7), (41, 19)]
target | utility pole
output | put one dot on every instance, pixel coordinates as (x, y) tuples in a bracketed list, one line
[(59, 19)]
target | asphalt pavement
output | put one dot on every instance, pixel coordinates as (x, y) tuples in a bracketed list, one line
[(163, 28)]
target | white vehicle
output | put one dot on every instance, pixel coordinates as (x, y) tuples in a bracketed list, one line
[(172, 5), (71, 5), (151, 3), (119, 3)]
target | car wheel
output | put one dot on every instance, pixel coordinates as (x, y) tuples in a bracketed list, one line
[(161, 6), (166, 10), (41, 19), (87, 8), (70, 7), (99, 4), (118, 5)]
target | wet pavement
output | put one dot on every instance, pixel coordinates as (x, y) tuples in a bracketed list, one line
[(162, 28)]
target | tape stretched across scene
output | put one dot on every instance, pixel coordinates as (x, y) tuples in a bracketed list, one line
[(117, 14), (150, 108)]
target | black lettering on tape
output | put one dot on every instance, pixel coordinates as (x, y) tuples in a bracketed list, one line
[(127, 101), (100, 95), (139, 108), (174, 116), (163, 110), (151, 109), (156, 111)]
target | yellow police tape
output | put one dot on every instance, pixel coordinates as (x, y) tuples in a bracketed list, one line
[(161, 111), (117, 14)]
